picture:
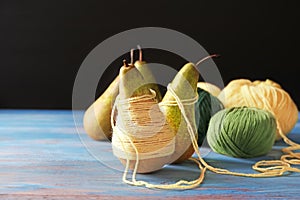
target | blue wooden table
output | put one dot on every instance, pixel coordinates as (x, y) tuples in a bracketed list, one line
[(45, 155)]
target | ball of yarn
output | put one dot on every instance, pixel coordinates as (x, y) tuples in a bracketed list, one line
[(212, 89), (242, 132), (266, 95), (206, 106)]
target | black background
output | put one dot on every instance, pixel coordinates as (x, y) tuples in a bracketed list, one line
[(43, 43)]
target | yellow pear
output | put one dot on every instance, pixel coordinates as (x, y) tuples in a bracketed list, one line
[(96, 119)]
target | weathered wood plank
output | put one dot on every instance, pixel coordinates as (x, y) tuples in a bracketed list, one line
[(43, 156)]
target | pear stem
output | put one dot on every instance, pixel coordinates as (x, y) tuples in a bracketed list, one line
[(140, 53), (205, 58), (131, 56), (125, 63)]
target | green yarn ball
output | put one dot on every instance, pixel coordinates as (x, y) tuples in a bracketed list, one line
[(242, 132), (206, 106)]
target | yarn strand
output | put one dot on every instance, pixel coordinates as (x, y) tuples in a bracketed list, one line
[(289, 156)]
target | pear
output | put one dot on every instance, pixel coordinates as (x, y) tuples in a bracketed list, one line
[(133, 85), (96, 119), (209, 87), (144, 69), (185, 86)]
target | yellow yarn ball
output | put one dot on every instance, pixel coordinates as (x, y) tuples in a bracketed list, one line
[(266, 95), (208, 87)]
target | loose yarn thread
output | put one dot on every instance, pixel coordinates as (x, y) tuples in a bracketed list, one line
[(289, 157)]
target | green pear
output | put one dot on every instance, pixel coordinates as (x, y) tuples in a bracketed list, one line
[(96, 119), (185, 86), (133, 85), (144, 69)]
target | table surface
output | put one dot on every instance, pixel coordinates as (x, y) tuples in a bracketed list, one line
[(45, 155)]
